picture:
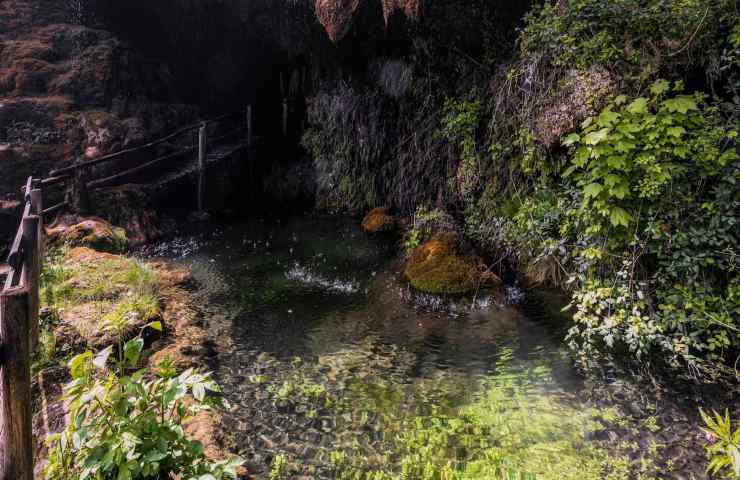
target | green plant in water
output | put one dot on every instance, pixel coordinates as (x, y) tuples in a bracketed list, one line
[(130, 426), (724, 451), (279, 467), (510, 431)]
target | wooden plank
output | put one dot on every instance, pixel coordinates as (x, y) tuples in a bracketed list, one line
[(33, 268), (54, 208), (15, 248), (53, 180), (16, 441), (215, 140), (112, 156), (77, 194), (35, 199), (103, 182), (27, 189)]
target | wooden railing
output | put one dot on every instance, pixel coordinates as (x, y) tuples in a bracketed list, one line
[(19, 332), (20, 280), (80, 180)]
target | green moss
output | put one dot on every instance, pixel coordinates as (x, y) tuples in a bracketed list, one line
[(112, 240), (436, 267)]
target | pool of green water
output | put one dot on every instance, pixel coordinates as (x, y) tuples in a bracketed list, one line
[(335, 369)]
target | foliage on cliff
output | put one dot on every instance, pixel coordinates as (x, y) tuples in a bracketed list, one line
[(600, 157)]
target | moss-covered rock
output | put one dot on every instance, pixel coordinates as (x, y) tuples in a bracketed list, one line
[(436, 266), (378, 220), (93, 232)]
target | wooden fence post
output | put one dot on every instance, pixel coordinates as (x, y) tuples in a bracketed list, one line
[(30, 228), (79, 199), (16, 442), (202, 155), (37, 208)]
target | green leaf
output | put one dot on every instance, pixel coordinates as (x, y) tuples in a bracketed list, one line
[(199, 391), (132, 349), (607, 118), (611, 179), (676, 131), (155, 325), (659, 87), (101, 359), (123, 473), (596, 137), (569, 171), (592, 189), (571, 139), (620, 191), (77, 364), (616, 161), (619, 217), (680, 104), (581, 157), (639, 105)]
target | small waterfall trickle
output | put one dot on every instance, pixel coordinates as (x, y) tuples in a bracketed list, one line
[(77, 11)]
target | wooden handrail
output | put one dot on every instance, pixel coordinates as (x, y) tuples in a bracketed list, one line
[(52, 180), (54, 208), (111, 156), (101, 182), (19, 325)]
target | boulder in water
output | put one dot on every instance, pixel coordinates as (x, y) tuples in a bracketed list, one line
[(378, 220), (436, 266)]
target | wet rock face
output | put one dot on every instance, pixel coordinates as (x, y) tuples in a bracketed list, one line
[(67, 88), (582, 93), (338, 16)]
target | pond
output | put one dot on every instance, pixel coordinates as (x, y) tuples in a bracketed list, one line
[(335, 369)]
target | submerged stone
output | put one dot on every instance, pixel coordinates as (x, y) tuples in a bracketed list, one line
[(378, 220), (436, 266)]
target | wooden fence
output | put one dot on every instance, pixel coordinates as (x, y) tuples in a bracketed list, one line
[(19, 333), (20, 280), (80, 177)]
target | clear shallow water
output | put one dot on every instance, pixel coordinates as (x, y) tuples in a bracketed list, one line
[(335, 369)]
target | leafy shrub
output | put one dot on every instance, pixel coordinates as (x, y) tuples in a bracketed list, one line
[(128, 426), (724, 451), (645, 34), (661, 243), (629, 156)]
